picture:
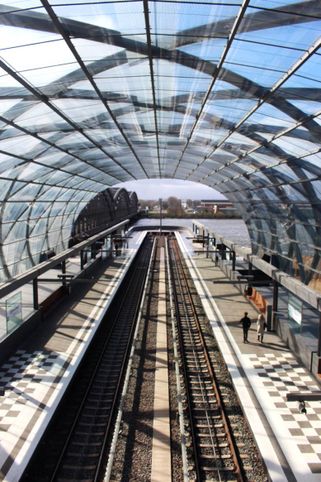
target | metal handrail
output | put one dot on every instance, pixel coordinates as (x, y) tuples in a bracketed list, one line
[(41, 268)]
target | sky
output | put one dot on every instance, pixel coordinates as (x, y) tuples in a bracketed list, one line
[(153, 189)]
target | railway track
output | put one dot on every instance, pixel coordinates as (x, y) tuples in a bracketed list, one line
[(75, 448), (214, 453), (77, 445)]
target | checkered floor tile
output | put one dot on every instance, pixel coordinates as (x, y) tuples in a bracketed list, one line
[(25, 379), (280, 375)]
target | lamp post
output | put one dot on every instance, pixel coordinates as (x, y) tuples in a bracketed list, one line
[(160, 214)]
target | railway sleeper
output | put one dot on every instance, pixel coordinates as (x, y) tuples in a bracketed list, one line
[(95, 419), (187, 334), (198, 373), (197, 344), (81, 460), (104, 389), (199, 386), (89, 440), (241, 445), (201, 409), (105, 392), (115, 355), (207, 389), (69, 470), (207, 428), (198, 362), (98, 411), (190, 350), (215, 457), (110, 376), (220, 469), (206, 410), (244, 455), (87, 427), (216, 426), (198, 394), (91, 452), (210, 446), (90, 431), (203, 425), (216, 445), (201, 401), (111, 371), (211, 435), (194, 380), (96, 402)]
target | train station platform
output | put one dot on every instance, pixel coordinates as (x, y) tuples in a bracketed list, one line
[(263, 374), (34, 379)]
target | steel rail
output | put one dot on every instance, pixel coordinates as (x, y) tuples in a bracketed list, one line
[(141, 280), (121, 371), (183, 367), (112, 450), (190, 318), (214, 383), (176, 357)]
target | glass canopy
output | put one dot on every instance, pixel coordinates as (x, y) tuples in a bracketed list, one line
[(225, 93)]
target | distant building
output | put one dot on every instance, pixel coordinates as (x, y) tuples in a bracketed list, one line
[(216, 205)]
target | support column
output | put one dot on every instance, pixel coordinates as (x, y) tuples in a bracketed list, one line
[(319, 346), (63, 271), (275, 303), (233, 260), (35, 294), (82, 263)]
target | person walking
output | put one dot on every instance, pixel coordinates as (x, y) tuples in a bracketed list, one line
[(246, 323), (260, 327)]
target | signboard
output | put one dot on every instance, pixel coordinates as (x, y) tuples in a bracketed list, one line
[(13, 312), (295, 309)]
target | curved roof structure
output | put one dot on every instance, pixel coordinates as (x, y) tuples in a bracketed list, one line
[(225, 93)]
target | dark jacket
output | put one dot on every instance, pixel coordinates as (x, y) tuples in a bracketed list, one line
[(246, 322)]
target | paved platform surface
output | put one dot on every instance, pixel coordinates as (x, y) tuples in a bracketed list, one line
[(36, 376), (161, 451), (285, 436)]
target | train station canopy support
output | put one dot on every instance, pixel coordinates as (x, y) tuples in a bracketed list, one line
[(225, 93)]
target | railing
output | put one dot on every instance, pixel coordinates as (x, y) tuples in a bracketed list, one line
[(41, 268)]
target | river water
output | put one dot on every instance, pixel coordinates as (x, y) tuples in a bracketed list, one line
[(232, 229)]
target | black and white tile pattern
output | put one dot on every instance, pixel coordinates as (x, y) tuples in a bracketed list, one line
[(301, 432)]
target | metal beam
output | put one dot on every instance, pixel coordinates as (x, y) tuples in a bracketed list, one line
[(152, 79), (60, 28), (260, 19), (218, 69)]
